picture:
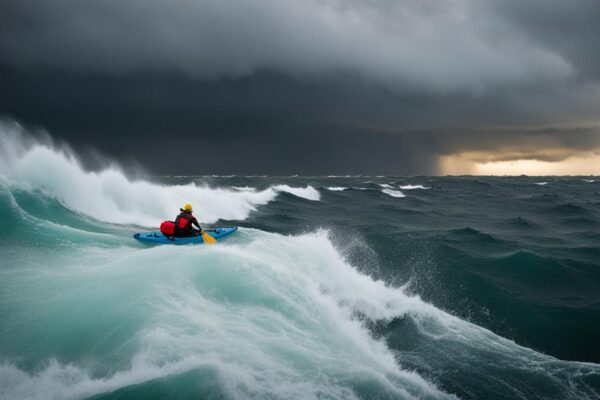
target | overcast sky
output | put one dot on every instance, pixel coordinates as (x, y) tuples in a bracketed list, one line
[(309, 87)]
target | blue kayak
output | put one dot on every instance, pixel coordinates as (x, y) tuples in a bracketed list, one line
[(159, 238)]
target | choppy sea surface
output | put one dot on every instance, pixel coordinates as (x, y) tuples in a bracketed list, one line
[(333, 288)]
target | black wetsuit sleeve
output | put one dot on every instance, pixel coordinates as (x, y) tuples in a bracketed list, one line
[(195, 222)]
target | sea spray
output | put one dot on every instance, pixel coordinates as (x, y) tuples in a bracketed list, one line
[(262, 312), (271, 315), (109, 195)]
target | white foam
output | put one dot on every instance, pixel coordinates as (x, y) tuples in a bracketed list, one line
[(308, 192), (274, 317), (413, 187), (393, 193), (59, 381), (589, 180), (109, 195), (336, 188), (385, 185), (541, 183)]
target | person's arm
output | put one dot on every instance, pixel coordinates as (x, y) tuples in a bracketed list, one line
[(195, 222)]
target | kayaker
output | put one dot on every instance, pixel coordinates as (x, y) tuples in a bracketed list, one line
[(185, 221)]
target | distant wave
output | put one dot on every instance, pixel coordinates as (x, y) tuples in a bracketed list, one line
[(541, 183), (337, 188), (469, 234), (393, 193), (569, 209), (522, 222), (412, 187), (308, 192)]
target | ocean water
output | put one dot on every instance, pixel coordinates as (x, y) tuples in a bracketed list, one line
[(333, 288)]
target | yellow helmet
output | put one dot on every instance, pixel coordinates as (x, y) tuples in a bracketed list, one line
[(187, 207)]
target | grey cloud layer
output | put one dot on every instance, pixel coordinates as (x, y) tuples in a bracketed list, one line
[(436, 45), (270, 81)]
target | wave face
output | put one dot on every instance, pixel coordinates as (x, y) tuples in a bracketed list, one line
[(475, 288), (108, 195)]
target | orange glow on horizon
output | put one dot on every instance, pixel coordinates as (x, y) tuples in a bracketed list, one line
[(461, 164)]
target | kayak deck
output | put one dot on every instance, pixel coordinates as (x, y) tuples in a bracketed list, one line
[(159, 238)]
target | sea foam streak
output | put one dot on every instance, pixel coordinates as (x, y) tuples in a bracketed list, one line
[(110, 196), (413, 187), (393, 193)]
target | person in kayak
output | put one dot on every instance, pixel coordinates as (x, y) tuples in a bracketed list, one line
[(185, 221)]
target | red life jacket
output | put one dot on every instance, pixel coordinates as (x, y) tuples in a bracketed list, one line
[(183, 224)]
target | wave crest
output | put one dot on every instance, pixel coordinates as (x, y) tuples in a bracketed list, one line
[(393, 193), (110, 196)]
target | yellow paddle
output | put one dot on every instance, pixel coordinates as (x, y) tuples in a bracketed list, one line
[(207, 238)]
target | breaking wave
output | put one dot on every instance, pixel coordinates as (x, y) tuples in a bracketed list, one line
[(393, 193), (413, 187), (110, 196)]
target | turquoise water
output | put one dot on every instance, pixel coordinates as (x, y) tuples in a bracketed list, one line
[(334, 287)]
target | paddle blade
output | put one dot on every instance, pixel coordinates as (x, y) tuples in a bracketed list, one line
[(208, 239)]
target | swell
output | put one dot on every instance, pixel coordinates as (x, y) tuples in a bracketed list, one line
[(268, 315)]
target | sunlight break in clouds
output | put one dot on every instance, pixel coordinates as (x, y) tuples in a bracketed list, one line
[(459, 164)]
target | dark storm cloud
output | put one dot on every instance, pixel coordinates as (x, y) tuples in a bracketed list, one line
[(569, 28), (312, 86), (435, 45), (267, 123)]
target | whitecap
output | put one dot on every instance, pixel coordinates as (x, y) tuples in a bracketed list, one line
[(412, 187), (308, 192), (109, 195), (393, 193)]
